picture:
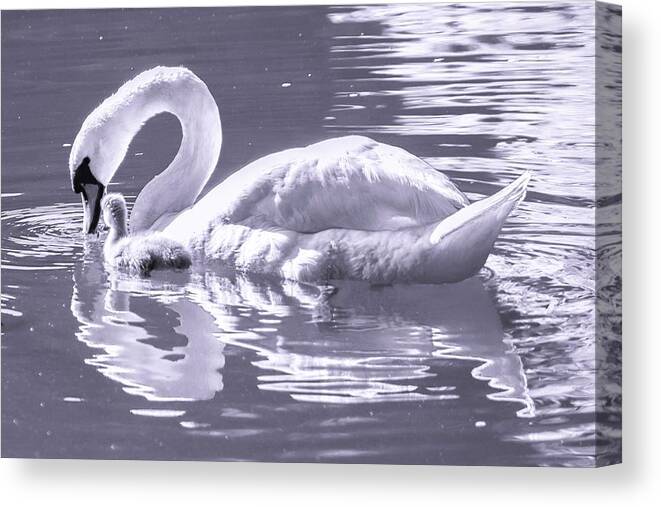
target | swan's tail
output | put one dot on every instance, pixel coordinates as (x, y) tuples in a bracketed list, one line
[(498, 205), (464, 239)]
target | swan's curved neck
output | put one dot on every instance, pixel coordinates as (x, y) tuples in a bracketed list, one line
[(182, 93)]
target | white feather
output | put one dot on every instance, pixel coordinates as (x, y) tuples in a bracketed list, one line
[(348, 207)]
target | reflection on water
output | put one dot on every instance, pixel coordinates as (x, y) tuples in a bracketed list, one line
[(148, 338), (350, 343), (212, 364)]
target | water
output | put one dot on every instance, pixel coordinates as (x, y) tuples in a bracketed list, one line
[(499, 369)]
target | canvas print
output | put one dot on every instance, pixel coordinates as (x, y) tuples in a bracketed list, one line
[(384, 233)]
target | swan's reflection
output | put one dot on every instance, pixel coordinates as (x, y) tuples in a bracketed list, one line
[(350, 343), (358, 343)]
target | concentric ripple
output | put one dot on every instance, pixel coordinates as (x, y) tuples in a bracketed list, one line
[(42, 237)]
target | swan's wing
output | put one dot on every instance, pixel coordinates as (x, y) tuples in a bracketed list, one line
[(348, 183)]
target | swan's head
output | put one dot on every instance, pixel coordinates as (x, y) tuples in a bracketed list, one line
[(114, 211), (97, 152), (85, 183)]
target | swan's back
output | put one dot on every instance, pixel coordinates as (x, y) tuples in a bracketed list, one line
[(357, 183), (350, 182)]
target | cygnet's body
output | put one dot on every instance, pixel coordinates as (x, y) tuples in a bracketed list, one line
[(142, 253)]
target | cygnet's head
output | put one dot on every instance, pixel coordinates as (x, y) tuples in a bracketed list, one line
[(114, 212)]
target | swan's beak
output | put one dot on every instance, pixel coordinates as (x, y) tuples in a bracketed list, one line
[(91, 190), (91, 195)]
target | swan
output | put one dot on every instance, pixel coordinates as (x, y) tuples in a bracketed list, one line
[(344, 208), (142, 253)]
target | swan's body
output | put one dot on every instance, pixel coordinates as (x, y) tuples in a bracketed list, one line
[(344, 208), (139, 254)]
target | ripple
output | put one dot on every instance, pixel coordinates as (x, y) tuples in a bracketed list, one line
[(42, 237), (153, 412)]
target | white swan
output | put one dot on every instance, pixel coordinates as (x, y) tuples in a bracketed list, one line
[(348, 207), (141, 253)]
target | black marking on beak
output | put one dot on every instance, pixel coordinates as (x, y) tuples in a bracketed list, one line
[(82, 175), (85, 183)]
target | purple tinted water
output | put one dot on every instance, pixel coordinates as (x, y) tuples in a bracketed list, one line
[(222, 366)]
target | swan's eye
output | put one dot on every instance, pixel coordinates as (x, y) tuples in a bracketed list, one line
[(83, 175)]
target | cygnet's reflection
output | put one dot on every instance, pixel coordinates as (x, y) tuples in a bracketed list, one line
[(147, 335), (350, 343)]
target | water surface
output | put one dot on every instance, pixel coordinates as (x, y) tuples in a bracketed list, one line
[(218, 365)]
